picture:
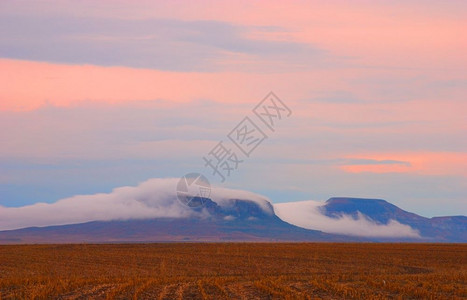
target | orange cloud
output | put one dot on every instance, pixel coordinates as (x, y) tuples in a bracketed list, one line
[(27, 85), (389, 168), (428, 163)]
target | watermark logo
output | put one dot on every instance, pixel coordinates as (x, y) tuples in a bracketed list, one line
[(224, 159), (247, 136), (271, 110), (193, 190)]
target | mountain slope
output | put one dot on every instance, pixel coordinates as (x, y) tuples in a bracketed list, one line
[(444, 229), (344, 219), (241, 220)]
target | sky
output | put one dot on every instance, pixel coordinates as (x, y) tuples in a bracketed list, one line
[(96, 95)]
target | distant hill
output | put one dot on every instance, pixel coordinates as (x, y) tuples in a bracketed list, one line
[(437, 229), (242, 220)]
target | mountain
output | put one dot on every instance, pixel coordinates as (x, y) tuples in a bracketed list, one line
[(240, 220), (340, 219), (436, 229)]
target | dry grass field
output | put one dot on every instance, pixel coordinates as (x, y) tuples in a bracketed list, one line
[(234, 271)]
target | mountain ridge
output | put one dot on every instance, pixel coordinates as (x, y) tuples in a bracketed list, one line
[(443, 228), (245, 220)]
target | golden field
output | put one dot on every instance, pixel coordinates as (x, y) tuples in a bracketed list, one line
[(234, 271)]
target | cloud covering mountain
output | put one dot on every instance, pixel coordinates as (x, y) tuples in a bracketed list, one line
[(156, 198), (308, 214)]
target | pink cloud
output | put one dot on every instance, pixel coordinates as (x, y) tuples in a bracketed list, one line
[(29, 85), (427, 163)]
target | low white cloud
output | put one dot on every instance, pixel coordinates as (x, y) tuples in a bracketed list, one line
[(306, 214), (154, 198)]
